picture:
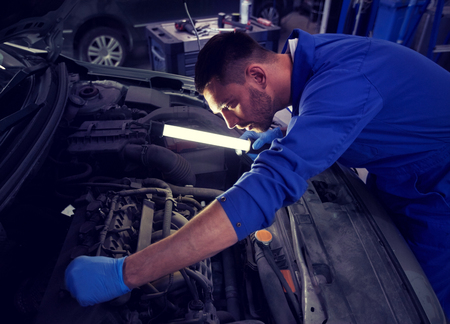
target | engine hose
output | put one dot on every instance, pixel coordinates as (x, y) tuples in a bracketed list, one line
[(142, 191), (189, 321), (191, 287), (177, 220), (190, 209), (192, 201), (151, 291), (154, 182), (87, 172), (198, 277), (101, 184), (269, 256), (158, 235), (173, 166), (154, 293), (231, 290), (175, 280), (269, 274), (104, 232), (198, 193), (167, 220)]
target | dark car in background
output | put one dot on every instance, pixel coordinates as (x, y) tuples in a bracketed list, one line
[(83, 174), (105, 31)]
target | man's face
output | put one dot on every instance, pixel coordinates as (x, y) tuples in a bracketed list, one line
[(242, 106)]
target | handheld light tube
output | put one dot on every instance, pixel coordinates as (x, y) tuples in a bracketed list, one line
[(206, 138)]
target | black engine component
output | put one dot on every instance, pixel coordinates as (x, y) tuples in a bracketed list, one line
[(125, 217), (136, 190)]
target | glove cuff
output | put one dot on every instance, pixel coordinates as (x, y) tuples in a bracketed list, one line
[(267, 138), (119, 270), (278, 133)]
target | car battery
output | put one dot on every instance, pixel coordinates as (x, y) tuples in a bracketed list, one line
[(176, 52)]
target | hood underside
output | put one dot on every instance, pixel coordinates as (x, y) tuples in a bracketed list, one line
[(27, 22)]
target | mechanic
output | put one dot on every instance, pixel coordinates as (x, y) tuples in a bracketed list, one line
[(364, 102)]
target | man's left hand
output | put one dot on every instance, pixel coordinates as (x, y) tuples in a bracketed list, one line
[(261, 139)]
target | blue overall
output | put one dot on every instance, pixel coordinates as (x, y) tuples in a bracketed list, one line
[(366, 103)]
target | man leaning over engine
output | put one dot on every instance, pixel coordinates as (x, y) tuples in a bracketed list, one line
[(360, 101)]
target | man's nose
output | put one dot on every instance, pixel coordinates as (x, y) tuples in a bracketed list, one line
[(230, 118)]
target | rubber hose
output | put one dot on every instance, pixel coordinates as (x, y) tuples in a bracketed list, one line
[(167, 220), (158, 235), (270, 259), (202, 281), (185, 207), (190, 285), (192, 201), (177, 219), (273, 290), (231, 290), (84, 174), (198, 193), (173, 166), (164, 188)]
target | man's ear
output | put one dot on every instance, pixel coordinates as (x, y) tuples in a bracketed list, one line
[(257, 75)]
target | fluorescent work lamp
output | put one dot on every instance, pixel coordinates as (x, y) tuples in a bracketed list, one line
[(188, 134)]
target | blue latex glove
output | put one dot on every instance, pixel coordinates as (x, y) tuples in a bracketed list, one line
[(93, 280), (261, 139)]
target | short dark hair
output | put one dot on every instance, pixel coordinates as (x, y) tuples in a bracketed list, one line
[(225, 57)]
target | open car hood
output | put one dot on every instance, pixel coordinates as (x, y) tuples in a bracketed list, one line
[(29, 22)]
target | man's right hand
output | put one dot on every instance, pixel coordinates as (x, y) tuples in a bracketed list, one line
[(93, 280)]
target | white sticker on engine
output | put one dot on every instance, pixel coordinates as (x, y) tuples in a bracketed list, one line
[(68, 211)]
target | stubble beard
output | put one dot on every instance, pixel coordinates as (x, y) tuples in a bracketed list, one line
[(261, 109)]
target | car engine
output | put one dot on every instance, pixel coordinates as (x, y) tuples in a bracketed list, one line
[(125, 189)]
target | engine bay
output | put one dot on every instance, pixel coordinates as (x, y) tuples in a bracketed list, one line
[(109, 187), (116, 189)]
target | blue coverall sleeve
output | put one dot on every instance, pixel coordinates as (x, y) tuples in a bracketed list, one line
[(335, 107)]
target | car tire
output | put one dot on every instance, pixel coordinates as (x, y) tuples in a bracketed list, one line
[(104, 46), (267, 11)]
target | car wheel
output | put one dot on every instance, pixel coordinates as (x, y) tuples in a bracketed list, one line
[(267, 11), (103, 46)]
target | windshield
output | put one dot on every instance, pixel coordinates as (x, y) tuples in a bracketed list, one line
[(16, 96)]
